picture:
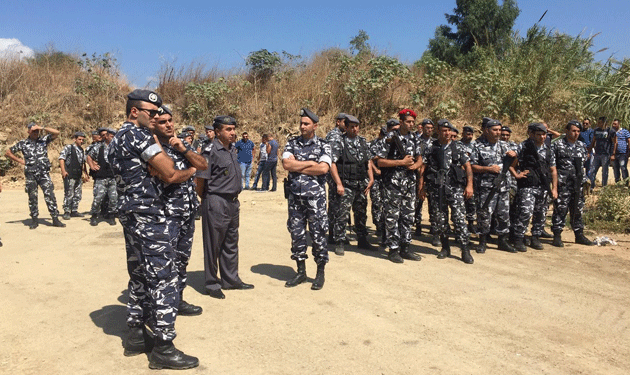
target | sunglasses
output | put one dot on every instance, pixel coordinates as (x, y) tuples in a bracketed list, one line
[(151, 112)]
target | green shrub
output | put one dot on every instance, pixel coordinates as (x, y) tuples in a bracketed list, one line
[(610, 210)]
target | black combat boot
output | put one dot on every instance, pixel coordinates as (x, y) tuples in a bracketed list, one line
[(481, 248), (418, 231), (557, 239), (165, 356), (545, 234), (187, 309), (299, 277), (519, 245), (446, 247), (57, 223), (75, 214), (340, 249), (383, 237), (66, 216), (466, 257), (363, 243), (34, 223), (138, 341), (503, 244), (110, 219), (436, 240), (394, 256), (94, 220), (472, 228), (406, 254), (581, 239), (318, 283), (535, 243)]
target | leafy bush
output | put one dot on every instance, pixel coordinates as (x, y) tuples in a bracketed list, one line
[(609, 212)]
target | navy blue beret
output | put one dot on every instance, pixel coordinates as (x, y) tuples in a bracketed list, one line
[(165, 109), (305, 112), (145, 96), (224, 120), (95, 132), (484, 121), (392, 122), (189, 128), (79, 134), (340, 116), (468, 129), (506, 129), (537, 126), (492, 123), (351, 119), (427, 121), (209, 127), (444, 123)]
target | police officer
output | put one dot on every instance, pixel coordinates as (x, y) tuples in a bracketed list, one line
[(537, 169), (104, 181), (571, 155), (471, 204), (36, 164), (353, 176), (180, 200), (333, 198), (307, 158), (219, 187), (425, 139), (73, 172), (153, 280), (206, 144), (489, 157), (376, 192), (448, 181), (398, 156)]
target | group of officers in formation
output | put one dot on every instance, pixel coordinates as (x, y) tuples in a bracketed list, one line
[(151, 180)]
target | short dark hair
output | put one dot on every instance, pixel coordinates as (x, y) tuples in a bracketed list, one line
[(602, 118), (131, 104), (619, 121), (569, 125), (587, 119), (244, 133)]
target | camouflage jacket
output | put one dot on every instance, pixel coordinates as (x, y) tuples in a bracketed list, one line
[(565, 154), (180, 199), (486, 154), (35, 153), (385, 148), (314, 149), (67, 151), (357, 147)]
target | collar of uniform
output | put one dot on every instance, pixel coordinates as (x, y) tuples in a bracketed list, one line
[(308, 142), (219, 145)]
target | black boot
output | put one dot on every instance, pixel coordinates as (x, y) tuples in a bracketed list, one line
[(406, 254), (57, 223), (187, 309), (319, 277), (340, 249), (557, 239), (364, 244), (481, 248), (66, 216), (519, 245), (503, 244), (300, 277), (446, 247), (545, 234), (165, 356), (466, 257), (436, 240), (138, 341), (94, 220), (535, 243), (418, 231), (581, 239), (382, 243), (472, 228), (34, 223), (394, 256), (75, 214), (110, 219)]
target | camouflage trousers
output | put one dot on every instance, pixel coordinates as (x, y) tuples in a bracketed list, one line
[(71, 194), (531, 204), (376, 197), (563, 205), (333, 204), (33, 179), (103, 187), (499, 208), (453, 199), (312, 211), (418, 214), (153, 280), (400, 208), (181, 230), (353, 198), (471, 208)]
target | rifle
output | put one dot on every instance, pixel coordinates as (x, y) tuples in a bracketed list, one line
[(542, 172), (398, 144), (498, 181)]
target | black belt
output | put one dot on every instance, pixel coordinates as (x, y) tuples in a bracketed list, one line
[(227, 197)]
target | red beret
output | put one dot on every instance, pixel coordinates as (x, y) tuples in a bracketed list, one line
[(407, 112)]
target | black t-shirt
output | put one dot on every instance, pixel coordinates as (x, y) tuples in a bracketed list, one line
[(604, 141)]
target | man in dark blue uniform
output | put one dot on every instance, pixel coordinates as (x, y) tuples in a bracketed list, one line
[(73, 172)]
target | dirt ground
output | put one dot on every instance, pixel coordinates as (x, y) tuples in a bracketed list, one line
[(557, 311)]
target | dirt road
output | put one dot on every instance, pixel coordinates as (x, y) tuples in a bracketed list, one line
[(557, 311)]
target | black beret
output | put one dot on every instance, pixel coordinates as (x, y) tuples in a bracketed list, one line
[(444, 123), (145, 96), (183, 135), (224, 120), (454, 129), (203, 138), (427, 121), (351, 119), (111, 130), (537, 126), (484, 121), (209, 127), (164, 109), (506, 129), (95, 132), (575, 123), (30, 125), (305, 112), (189, 128), (468, 129), (392, 122), (79, 134), (340, 116), (492, 123), (100, 130)]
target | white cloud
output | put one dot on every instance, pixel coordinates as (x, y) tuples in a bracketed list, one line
[(13, 48)]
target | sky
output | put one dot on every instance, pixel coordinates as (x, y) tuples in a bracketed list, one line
[(144, 35)]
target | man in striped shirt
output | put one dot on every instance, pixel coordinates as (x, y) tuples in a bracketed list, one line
[(620, 158)]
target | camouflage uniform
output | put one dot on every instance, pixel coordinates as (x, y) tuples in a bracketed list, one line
[(453, 189), (333, 137), (531, 199), (351, 156), (399, 190), (74, 158), (151, 260), (470, 204), (424, 144), (37, 172), (307, 201), (565, 154), (486, 154), (181, 206), (104, 181), (376, 197)]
